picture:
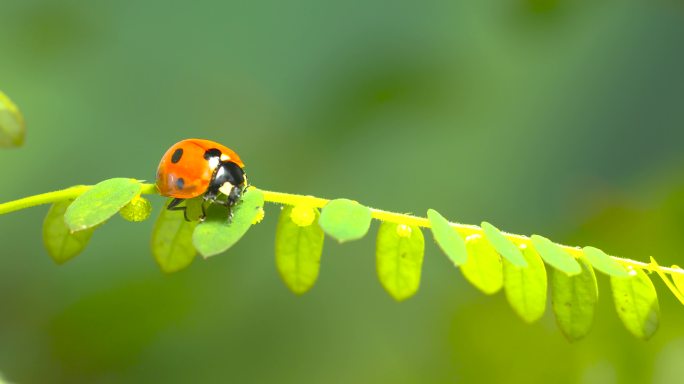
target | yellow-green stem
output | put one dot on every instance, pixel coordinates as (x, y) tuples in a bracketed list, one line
[(294, 199), (61, 195)]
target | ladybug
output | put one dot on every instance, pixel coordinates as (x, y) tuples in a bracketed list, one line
[(196, 167)]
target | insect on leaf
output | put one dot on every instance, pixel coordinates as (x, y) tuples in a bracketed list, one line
[(448, 239), (483, 269), (555, 255), (298, 251), (399, 255), (62, 244), (604, 263), (505, 247), (574, 300), (12, 127), (100, 203), (172, 246), (216, 234), (345, 220), (526, 287), (636, 303)]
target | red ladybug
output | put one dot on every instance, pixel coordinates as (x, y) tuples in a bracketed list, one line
[(196, 167)]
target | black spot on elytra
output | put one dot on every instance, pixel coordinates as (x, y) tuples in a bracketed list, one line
[(212, 153), (180, 183), (177, 154)]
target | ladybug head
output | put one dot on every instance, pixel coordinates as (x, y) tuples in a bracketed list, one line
[(228, 179)]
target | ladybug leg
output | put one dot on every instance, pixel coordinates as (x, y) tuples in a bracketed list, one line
[(204, 211), (173, 206), (232, 200), (211, 196), (203, 206), (226, 203), (234, 196)]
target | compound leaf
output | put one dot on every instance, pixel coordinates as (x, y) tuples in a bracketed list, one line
[(399, 256), (61, 243), (101, 202)]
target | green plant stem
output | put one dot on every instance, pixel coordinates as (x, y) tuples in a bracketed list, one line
[(61, 195), (316, 202)]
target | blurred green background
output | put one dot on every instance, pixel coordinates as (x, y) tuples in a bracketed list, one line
[(563, 118)]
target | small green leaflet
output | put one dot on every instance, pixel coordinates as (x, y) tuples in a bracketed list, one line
[(678, 279), (62, 244), (100, 203), (450, 241), (526, 287), (483, 269), (216, 234), (172, 240), (636, 303), (399, 255), (12, 126), (345, 220), (555, 255), (502, 245), (604, 263), (298, 252), (574, 300)]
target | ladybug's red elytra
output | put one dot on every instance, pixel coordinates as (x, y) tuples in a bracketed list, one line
[(196, 167)]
